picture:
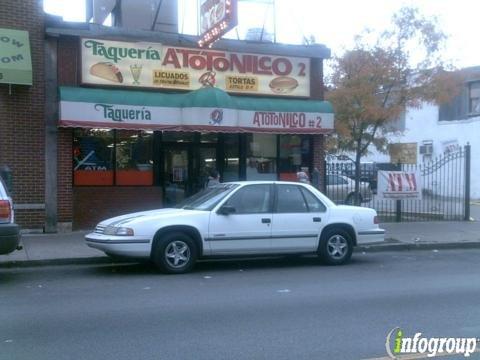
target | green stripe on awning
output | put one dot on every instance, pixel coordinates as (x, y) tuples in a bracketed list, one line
[(124, 97), (204, 97), (15, 57), (283, 105)]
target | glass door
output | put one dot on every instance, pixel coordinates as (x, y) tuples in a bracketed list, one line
[(176, 175), (205, 165)]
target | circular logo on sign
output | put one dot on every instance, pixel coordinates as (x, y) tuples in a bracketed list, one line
[(216, 117)]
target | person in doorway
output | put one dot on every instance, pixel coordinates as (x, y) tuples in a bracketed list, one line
[(213, 179), (302, 175)]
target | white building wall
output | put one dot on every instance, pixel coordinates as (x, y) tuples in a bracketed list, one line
[(422, 124)]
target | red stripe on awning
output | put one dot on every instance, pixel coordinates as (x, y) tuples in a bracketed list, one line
[(204, 128)]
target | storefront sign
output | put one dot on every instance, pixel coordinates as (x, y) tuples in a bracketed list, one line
[(207, 109), (398, 185), (450, 146), (15, 58), (152, 65), (207, 119), (216, 18)]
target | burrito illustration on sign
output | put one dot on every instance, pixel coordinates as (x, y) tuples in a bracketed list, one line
[(283, 84), (107, 71)]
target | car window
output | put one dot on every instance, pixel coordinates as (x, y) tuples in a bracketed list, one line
[(335, 180), (313, 203), (341, 181), (330, 180), (3, 189), (251, 199), (208, 198), (290, 200)]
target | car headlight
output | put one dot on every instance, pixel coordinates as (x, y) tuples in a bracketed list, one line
[(120, 231), (124, 231)]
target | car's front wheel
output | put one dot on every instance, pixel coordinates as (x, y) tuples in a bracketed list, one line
[(336, 247), (174, 253)]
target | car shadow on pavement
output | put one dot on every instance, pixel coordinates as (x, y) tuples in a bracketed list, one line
[(8, 277), (233, 264)]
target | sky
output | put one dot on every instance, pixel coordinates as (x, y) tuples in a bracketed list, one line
[(333, 23)]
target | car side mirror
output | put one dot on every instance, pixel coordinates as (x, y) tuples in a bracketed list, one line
[(226, 210)]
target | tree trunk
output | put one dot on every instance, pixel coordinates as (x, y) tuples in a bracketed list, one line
[(358, 156)]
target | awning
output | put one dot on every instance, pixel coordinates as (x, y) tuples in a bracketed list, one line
[(206, 109), (15, 58)]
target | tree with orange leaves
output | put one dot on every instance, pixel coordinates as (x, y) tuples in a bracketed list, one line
[(372, 84)]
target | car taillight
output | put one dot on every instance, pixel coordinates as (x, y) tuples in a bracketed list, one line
[(376, 220), (5, 211)]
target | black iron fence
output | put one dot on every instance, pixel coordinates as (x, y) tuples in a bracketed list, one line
[(444, 186)]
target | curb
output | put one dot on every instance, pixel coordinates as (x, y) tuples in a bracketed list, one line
[(102, 260), (419, 246), (62, 261)]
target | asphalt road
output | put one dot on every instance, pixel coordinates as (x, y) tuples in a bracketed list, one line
[(251, 309)]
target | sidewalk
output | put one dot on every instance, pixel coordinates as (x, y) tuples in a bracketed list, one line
[(62, 249)]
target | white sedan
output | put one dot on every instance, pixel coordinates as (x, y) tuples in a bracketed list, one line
[(240, 218)]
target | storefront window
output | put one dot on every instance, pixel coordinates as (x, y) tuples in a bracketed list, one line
[(294, 155), (134, 158), (261, 157), (93, 157), (208, 137), (231, 165), (178, 136)]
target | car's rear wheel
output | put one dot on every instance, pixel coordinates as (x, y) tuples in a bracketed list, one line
[(336, 247), (175, 253)]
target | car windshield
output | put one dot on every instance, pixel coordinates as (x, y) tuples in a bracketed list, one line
[(207, 198)]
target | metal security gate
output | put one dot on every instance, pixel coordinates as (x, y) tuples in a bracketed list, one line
[(445, 188)]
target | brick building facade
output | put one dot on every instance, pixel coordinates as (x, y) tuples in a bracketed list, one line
[(22, 118)]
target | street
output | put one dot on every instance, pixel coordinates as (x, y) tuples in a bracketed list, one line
[(278, 308)]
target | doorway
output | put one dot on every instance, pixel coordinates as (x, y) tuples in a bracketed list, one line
[(186, 170)]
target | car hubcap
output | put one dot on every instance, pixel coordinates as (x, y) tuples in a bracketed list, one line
[(337, 246), (177, 254)]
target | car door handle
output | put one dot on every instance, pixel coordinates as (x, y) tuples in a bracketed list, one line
[(266, 221), (317, 219)]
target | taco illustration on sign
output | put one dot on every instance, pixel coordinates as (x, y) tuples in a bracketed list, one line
[(283, 85), (107, 71)]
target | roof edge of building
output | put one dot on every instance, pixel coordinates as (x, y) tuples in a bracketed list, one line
[(61, 28)]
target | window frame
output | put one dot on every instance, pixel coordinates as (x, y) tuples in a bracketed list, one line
[(471, 112)]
